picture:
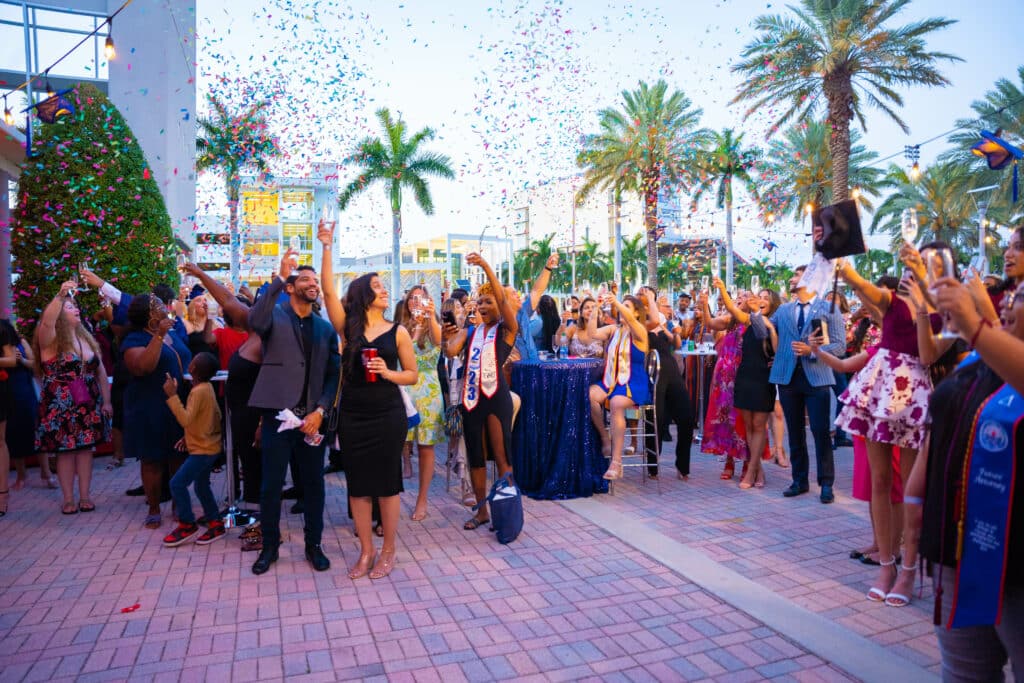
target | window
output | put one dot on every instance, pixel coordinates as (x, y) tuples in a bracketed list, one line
[(260, 208), (304, 233), (296, 206)]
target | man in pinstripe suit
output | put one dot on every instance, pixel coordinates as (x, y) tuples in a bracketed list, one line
[(805, 384)]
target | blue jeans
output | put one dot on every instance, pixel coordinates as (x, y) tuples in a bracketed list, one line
[(278, 448), (196, 468), (796, 397)]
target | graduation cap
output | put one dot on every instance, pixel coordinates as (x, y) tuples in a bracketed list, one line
[(998, 154), (839, 228), (196, 292), (54, 107)]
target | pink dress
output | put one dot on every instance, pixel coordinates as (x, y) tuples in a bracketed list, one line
[(721, 437), (887, 401)]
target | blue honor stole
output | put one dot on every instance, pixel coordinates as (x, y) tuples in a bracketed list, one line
[(985, 506)]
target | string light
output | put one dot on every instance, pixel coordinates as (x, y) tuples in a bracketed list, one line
[(49, 88), (809, 208), (856, 193), (8, 116), (108, 46)]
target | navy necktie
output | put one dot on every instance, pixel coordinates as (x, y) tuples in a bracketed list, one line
[(800, 319)]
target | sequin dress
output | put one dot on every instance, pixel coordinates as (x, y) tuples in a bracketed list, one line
[(721, 436)]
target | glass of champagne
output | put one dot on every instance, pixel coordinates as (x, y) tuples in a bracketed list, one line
[(705, 283), (938, 264), (908, 225), (295, 243), (755, 284)]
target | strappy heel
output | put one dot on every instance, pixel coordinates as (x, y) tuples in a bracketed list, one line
[(614, 471), (876, 594), (384, 564), (893, 599)]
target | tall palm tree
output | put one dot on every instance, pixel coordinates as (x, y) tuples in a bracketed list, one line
[(671, 272), (592, 266), (536, 255), (643, 147), (944, 212), (838, 55), (398, 163), (797, 170), (231, 143), (635, 262), (1001, 109), (718, 167)]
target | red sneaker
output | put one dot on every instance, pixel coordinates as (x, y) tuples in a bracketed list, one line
[(183, 533), (215, 531)]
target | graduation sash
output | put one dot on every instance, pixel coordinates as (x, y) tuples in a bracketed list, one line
[(985, 507), (482, 368), (617, 360)]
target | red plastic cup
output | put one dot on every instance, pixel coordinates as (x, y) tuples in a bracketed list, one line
[(368, 354)]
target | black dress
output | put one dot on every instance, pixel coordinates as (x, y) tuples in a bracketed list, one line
[(372, 424), (753, 391)]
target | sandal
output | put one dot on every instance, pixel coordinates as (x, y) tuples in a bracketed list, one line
[(152, 522), (362, 567), (759, 480), (614, 471), (468, 497), (876, 594), (378, 530), (728, 470), (69, 508), (475, 523), (894, 599), (384, 564), (86, 506), (419, 517)]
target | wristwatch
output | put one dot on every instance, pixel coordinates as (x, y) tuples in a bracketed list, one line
[(319, 409)]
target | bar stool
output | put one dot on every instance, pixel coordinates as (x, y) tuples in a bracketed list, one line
[(645, 429)]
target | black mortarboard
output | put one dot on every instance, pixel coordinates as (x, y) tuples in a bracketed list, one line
[(840, 230)]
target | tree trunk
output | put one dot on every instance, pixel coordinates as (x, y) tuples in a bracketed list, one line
[(233, 187), (651, 227), (728, 246), (839, 93), (396, 257)]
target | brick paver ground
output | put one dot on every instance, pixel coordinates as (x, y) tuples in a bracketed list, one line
[(566, 601)]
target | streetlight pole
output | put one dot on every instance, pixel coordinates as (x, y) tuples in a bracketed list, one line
[(982, 206)]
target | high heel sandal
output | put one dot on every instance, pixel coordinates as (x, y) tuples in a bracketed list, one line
[(384, 564), (876, 594), (614, 471), (362, 567), (728, 470), (893, 599)]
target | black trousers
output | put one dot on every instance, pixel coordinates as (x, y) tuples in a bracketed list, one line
[(244, 421), (797, 397), (673, 406), (278, 448)]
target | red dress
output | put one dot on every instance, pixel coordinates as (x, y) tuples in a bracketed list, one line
[(228, 341)]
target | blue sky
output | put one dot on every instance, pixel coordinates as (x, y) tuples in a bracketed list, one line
[(510, 86)]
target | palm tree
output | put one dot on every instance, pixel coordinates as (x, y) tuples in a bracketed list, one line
[(635, 263), (944, 211), (798, 170), (230, 143), (838, 55), (536, 255), (592, 264), (397, 162), (875, 263), (1002, 109), (718, 167), (671, 272), (643, 147)]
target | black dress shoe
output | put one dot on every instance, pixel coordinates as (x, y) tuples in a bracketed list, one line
[(826, 495), (795, 490), (290, 494), (316, 557), (267, 557), (330, 469), (299, 508), (137, 491)]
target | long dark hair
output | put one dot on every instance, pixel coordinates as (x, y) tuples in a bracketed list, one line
[(547, 309), (356, 302), (1009, 283)]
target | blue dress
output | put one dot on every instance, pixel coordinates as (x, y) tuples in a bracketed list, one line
[(638, 386), (150, 429), (23, 412)]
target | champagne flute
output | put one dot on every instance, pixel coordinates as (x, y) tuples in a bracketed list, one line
[(908, 225), (938, 263), (755, 284), (705, 283), (295, 243)]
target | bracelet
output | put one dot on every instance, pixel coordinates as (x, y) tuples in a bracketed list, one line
[(982, 325), (548, 269), (913, 500)]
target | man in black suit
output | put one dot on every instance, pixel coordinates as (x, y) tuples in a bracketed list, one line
[(300, 372)]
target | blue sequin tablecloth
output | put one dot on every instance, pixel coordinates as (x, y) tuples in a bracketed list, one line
[(556, 453)]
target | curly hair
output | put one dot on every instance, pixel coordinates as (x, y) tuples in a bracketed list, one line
[(485, 290)]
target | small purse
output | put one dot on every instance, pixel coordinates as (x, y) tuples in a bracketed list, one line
[(78, 388)]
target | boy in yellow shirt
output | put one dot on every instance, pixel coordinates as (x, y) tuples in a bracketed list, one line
[(201, 421)]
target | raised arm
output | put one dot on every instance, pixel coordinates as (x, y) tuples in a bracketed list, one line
[(229, 304), (846, 365), (46, 330), (742, 317), (508, 313), (867, 291), (716, 324), (332, 301), (543, 279), (261, 315), (638, 329)]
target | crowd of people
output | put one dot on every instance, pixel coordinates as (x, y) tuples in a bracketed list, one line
[(295, 370)]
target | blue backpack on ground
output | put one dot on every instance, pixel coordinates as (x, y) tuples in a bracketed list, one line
[(506, 509)]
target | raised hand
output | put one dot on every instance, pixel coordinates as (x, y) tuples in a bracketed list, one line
[(718, 284), (552, 261), (67, 287), (287, 264), (170, 385), (475, 259), (325, 233), (90, 278), (192, 269)]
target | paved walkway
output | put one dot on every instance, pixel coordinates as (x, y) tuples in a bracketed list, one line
[(703, 581)]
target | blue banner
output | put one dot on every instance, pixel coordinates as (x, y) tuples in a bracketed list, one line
[(984, 523)]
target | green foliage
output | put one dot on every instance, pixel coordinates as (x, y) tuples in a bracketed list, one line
[(944, 210), (87, 194)]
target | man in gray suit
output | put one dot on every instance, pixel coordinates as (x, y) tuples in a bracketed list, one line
[(300, 372), (805, 383)]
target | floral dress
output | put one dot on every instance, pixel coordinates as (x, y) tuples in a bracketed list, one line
[(721, 436), (63, 425), (426, 395)]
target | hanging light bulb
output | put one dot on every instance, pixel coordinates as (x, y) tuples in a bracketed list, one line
[(50, 92), (809, 208), (856, 193), (8, 116), (915, 171), (108, 47)]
